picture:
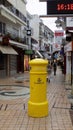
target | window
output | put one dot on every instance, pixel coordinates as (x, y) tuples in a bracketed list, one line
[(2, 2), (2, 28)]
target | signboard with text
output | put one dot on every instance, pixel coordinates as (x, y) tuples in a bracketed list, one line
[(60, 7), (56, 47), (69, 23), (58, 35)]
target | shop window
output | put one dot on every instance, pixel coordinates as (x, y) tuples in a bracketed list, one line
[(2, 28), (1, 62)]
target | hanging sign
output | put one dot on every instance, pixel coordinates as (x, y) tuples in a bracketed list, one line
[(60, 7)]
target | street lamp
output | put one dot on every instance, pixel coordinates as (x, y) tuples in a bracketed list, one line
[(58, 22)]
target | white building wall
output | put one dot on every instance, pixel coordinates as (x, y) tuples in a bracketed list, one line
[(38, 31), (14, 23), (13, 29), (34, 23), (20, 5)]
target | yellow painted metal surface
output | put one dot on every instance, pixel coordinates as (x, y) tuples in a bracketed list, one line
[(38, 104)]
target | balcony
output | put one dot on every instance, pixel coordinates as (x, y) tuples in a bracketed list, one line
[(15, 38), (13, 35), (9, 39), (9, 12)]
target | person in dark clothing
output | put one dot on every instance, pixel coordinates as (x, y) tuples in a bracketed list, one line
[(62, 67), (54, 67)]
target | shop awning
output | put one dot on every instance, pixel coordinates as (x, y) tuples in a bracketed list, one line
[(8, 50), (45, 55), (20, 45), (38, 53)]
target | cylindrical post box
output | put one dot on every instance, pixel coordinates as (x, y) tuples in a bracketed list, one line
[(38, 104)]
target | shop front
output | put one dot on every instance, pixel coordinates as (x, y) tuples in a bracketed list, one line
[(28, 54), (8, 61), (68, 49)]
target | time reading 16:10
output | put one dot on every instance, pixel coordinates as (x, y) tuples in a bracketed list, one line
[(64, 7)]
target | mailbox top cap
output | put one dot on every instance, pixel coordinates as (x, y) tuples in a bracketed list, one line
[(38, 61)]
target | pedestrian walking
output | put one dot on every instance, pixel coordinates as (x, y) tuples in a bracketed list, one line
[(55, 67)]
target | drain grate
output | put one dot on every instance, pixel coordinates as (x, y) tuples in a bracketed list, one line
[(6, 107), (24, 106), (58, 107), (3, 107), (61, 107)]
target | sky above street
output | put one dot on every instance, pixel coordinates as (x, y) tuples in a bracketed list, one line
[(36, 7)]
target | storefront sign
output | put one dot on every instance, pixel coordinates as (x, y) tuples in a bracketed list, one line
[(58, 35), (69, 23), (68, 47), (28, 32), (28, 52)]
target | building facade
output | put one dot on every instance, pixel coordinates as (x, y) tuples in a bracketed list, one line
[(12, 36), (14, 41), (42, 34)]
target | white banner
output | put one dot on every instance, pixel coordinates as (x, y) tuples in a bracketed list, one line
[(58, 35)]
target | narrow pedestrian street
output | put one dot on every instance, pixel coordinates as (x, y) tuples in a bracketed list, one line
[(14, 96)]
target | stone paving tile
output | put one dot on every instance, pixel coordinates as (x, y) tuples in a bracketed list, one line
[(14, 115), (19, 79)]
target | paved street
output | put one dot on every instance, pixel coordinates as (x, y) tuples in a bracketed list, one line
[(14, 96)]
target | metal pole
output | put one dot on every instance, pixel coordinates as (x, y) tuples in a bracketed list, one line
[(29, 42)]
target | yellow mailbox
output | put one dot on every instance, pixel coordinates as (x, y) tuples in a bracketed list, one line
[(38, 104)]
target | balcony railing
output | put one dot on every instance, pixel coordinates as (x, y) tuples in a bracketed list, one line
[(14, 37), (11, 8)]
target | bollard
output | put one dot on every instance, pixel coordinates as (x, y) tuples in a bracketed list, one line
[(38, 104)]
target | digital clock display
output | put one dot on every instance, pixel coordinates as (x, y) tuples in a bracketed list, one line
[(59, 7)]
